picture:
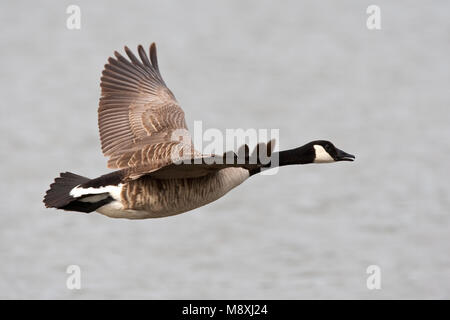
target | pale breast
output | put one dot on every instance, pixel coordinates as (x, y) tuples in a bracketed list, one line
[(152, 198)]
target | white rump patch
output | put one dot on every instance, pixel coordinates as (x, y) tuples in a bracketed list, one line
[(321, 155), (114, 192)]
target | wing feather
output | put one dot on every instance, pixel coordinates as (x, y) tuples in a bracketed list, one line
[(142, 128), (136, 110)]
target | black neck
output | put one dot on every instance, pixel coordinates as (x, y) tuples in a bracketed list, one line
[(302, 155)]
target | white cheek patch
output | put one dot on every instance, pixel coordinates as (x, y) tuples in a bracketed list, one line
[(321, 155)]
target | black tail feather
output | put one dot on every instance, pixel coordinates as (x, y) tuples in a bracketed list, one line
[(58, 195), (86, 207)]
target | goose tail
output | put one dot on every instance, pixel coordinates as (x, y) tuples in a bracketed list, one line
[(61, 194)]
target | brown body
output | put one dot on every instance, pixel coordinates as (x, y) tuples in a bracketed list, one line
[(147, 197)]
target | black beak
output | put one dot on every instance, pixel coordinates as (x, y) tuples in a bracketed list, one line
[(344, 156)]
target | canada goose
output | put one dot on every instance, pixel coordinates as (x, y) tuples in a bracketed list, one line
[(137, 117)]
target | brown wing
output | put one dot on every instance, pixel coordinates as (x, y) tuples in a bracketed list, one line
[(138, 115), (142, 127)]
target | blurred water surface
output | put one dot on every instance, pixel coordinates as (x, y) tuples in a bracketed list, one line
[(311, 69)]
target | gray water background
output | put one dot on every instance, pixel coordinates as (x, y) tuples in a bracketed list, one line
[(309, 68)]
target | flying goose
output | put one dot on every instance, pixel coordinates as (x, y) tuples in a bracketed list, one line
[(138, 117)]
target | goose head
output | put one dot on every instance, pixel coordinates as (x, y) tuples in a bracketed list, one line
[(325, 152), (319, 151)]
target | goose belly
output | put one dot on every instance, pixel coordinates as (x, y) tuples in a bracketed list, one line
[(152, 198)]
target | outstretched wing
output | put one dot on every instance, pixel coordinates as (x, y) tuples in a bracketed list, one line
[(139, 119), (142, 127)]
